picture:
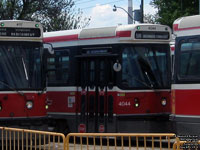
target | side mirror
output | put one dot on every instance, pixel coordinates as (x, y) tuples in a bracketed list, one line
[(117, 66), (49, 48)]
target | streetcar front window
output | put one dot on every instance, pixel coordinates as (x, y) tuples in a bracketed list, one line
[(145, 66), (20, 65)]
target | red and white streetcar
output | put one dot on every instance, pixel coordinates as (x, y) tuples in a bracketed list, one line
[(22, 100), (113, 79)]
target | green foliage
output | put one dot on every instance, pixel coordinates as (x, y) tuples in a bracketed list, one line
[(53, 14), (149, 18), (170, 10)]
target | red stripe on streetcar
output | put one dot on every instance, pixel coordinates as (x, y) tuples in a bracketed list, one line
[(95, 38), (175, 27), (75, 37), (61, 38), (123, 34), (118, 34)]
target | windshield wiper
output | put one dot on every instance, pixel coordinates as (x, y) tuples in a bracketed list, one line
[(140, 81), (136, 79), (7, 85), (149, 79), (146, 68), (25, 70)]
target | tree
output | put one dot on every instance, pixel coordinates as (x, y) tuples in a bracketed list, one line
[(170, 10), (53, 14), (149, 18)]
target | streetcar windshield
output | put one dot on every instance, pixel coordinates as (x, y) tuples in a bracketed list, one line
[(145, 66), (20, 65), (189, 60)]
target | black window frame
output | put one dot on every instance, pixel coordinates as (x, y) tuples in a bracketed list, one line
[(177, 68), (121, 86), (42, 73)]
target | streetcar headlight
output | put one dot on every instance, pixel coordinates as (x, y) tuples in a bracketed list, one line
[(46, 106), (137, 103), (0, 107), (29, 104), (164, 101)]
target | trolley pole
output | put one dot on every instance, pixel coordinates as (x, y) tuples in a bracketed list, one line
[(130, 12), (142, 11)]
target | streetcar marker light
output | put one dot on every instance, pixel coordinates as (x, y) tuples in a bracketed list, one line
[(138, 27), (2, 24), (36, 25), (47, 107)]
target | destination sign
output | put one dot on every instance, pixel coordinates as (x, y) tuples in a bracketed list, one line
[(20, 32), (98, 51), (151, 35)]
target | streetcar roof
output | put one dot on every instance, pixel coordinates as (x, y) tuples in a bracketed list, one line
[(186, 26), (121, 33)]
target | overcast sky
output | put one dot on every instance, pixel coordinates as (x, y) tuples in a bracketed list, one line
[(101, 11)]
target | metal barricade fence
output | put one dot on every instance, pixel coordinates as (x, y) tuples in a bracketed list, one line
[(22, 139), (186, 145), (119, 141)]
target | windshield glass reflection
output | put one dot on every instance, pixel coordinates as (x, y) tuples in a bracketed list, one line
[(145, 66), (189, 60), (20, 65)]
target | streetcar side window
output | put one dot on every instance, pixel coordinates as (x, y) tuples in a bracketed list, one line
[(51, 69), (58, 67), (63, 68)]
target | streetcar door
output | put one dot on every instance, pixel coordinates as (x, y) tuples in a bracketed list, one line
[(97, 79)]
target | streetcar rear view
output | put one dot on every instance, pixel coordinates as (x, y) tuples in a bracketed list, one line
[(22, 99), (114, 79)]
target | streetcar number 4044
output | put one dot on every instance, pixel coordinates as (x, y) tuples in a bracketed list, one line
[(124, 103)]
